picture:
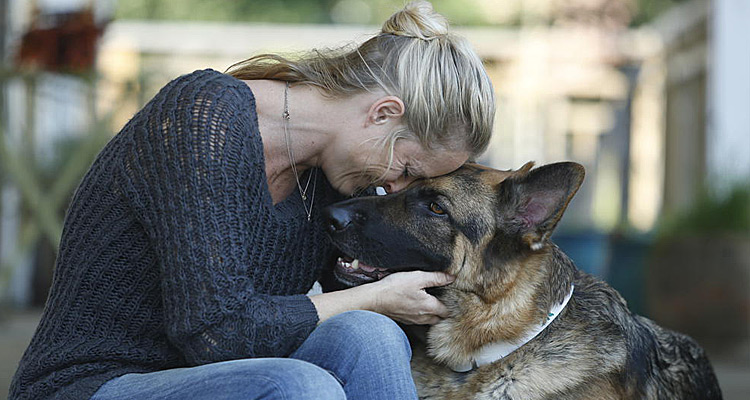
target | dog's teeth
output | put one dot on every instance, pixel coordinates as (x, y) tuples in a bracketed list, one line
[(355, 263)]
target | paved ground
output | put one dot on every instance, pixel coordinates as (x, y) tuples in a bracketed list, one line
[(16, 331)]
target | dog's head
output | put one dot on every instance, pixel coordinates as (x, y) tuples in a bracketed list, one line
[(474, 216)]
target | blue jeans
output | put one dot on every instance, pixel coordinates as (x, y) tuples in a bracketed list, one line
[(355, 355)]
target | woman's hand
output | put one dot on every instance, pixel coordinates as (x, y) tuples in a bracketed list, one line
[(402, 297)]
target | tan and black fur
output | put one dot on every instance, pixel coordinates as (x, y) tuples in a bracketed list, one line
[(490, 229)]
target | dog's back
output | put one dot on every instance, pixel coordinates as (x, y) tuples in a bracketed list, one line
[(680, 366), (659, 363)]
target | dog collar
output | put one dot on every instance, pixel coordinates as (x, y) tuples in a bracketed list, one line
[(492, 352)]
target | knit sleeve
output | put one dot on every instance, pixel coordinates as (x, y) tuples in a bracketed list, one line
[(192, 177)]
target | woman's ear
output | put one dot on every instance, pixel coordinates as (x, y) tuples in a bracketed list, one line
[(385, 109)]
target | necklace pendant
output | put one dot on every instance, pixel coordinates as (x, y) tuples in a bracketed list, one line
[(303, 192)]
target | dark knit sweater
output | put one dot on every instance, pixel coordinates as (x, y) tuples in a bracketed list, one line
[(173, 253)]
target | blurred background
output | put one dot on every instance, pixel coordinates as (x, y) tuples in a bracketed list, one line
[(652, 96)]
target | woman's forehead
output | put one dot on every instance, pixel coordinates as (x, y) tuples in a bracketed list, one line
[(436, 162)]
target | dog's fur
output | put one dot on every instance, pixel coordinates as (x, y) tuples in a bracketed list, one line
[(491, 231)]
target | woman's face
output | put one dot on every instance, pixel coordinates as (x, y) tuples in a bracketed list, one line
[(358, 158), (366, 164)]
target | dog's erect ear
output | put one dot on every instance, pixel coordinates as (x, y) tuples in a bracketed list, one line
[(533, 202)]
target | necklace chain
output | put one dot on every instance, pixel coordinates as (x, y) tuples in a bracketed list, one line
[(302, 191)]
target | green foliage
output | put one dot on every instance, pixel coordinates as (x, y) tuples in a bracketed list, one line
[(712, 214), (373, 12), (279, 11), (647, 10), (289, 11)]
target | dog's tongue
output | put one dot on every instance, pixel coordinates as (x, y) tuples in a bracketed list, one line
[(352, 270), (366, 267), (356, 265)]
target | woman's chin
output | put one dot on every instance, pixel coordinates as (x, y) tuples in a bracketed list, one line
[(345, 187)]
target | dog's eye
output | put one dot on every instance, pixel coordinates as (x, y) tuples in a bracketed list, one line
[(435, 208)]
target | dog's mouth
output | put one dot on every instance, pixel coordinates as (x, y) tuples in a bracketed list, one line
[(352, 271)]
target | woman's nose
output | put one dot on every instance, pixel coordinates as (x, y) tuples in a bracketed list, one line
[(395, 186)]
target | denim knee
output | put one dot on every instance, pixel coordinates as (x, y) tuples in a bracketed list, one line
[(367, 352), (295, 379), (263, 378), (372, 331)]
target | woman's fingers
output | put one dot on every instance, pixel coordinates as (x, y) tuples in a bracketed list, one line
[(403, 297), (432, 279), (438, 308), (423, 279)]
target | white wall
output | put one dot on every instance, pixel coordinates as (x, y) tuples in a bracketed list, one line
[(728, 130)]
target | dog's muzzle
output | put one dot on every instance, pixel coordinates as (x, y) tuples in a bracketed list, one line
[(340, 220)]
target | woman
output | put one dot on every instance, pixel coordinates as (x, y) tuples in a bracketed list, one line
[(192, 241)]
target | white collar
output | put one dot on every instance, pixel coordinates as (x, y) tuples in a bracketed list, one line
[(492, 352)]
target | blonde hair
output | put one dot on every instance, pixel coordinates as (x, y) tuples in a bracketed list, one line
[(448, 97)]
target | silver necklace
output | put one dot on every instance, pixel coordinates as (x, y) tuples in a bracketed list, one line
[(302, 191)]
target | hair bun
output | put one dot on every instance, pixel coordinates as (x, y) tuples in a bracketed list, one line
[(417, 19)]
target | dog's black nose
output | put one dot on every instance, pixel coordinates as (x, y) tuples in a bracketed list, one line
[(337, 219)]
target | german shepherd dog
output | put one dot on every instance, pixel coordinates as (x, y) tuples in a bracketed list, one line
[(524, 322)]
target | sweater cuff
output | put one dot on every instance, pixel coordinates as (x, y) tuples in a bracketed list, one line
[(302, 316)]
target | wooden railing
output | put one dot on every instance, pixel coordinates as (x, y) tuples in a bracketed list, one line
[(43, 190)]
